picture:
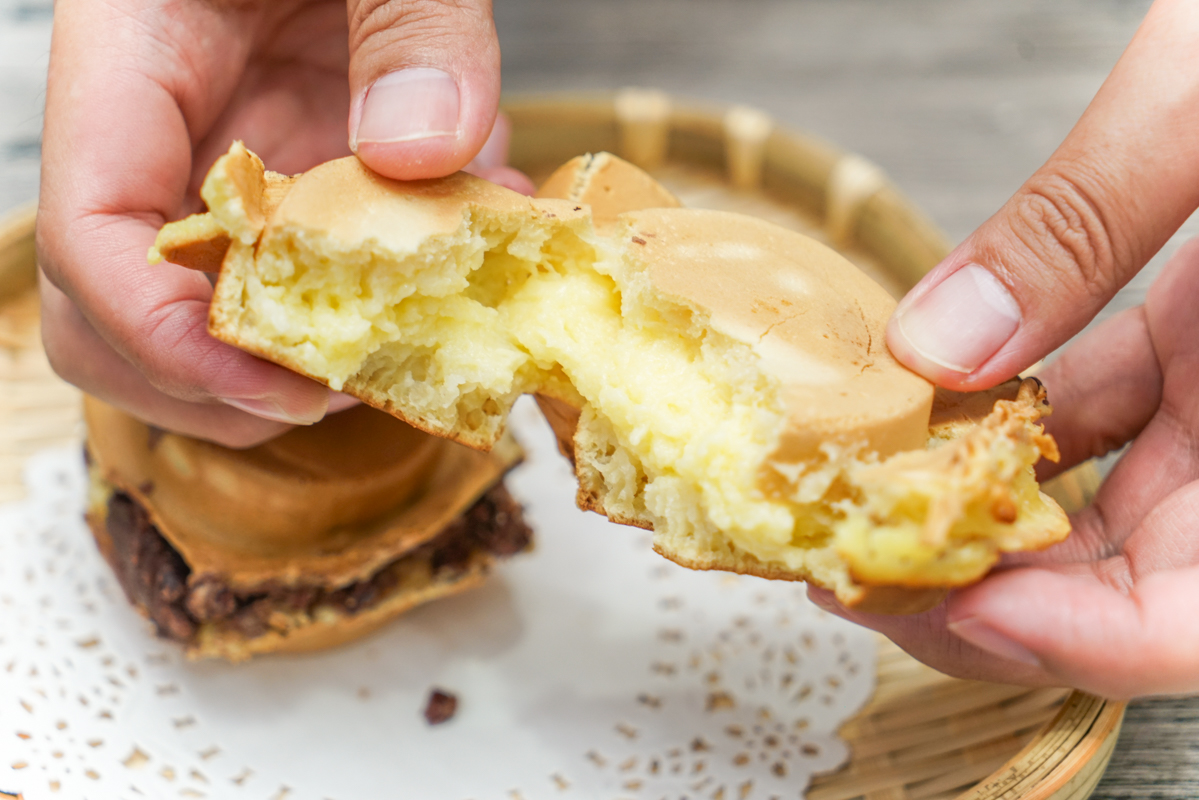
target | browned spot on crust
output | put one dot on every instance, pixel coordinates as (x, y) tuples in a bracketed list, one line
[(205, 255)]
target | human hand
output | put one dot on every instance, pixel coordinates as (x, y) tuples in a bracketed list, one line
[(1108, 610), (143, 96)]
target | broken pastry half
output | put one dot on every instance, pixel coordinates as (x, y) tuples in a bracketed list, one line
[(305, 542), (717, 379)]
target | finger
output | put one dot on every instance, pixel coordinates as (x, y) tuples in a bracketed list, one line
[(425, 78), (1034, 274), (927, 639), (1086, 633), (495, 149), (104, 193), (509, 178), (80, 356), (1104, 389), (1170, 310), (1161, 461), (340, 402), (1143, 361), (490, 163)]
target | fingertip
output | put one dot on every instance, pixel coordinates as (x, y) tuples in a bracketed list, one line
[(825, 599), (509, 178), (341, 402), (1026, 615), (985, 637), (495, 150)]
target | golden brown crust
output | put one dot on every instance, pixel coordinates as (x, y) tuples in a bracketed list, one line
[(204, 255), (890, 600), (738, 563)]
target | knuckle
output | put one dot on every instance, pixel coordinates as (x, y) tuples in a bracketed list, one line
[(170, 338), (46, 250), (58, 342), (1063, 224), (387, 22)]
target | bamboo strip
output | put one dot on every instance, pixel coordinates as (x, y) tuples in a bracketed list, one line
[(857, 785), (746, 131), (1031, 710), (949, 784), (936, 702)]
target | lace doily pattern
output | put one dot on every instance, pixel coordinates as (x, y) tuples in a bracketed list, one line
[(589, 669)]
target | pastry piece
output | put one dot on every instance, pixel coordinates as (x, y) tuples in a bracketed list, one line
[(608, 185), (304, 542), (732, 385)]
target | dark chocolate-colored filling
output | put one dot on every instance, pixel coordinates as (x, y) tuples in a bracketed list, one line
[(155, 576)]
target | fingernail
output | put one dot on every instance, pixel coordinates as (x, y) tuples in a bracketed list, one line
[(962, 321), (984, 637), (406, 105), (268, 409)]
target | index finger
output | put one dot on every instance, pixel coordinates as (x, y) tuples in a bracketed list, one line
[(1033, 275)]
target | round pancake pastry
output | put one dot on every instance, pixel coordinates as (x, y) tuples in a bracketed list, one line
[(306, 541)]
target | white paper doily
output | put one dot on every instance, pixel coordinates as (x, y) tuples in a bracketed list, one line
[(591, 668)]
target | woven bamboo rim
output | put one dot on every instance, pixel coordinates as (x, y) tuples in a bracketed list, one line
[(923, 735)]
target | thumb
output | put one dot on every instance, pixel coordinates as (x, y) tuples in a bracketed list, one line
[(1037, 272), (425, 78)]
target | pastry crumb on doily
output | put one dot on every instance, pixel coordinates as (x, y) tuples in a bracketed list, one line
[(440, 707)]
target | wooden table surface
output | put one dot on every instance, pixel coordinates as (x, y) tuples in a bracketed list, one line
[(958, 100)]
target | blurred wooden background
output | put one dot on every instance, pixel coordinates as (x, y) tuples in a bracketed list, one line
[(958, 100)]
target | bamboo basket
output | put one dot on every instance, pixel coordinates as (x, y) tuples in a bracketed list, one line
[(923, 735)]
